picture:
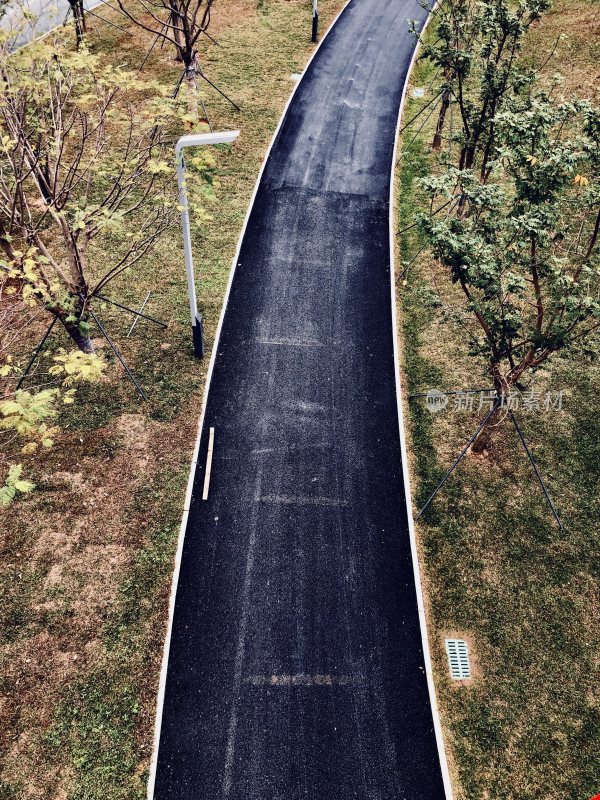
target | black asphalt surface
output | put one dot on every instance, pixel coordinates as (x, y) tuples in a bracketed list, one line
[(296, 667)]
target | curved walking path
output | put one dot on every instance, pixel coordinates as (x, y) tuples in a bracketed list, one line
[(295, 666)]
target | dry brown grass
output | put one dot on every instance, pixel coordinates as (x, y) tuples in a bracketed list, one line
[(575, 26)]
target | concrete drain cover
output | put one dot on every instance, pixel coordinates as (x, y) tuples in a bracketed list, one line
[(458, 659)]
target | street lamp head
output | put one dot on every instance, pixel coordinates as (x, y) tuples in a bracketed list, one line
[(201, 139)]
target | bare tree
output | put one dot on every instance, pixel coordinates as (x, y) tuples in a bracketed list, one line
[(79, 156), (179, 22)]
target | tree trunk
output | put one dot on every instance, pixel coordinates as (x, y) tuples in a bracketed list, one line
[(437, 139), (78, 12), (177, 32), (192, 92), (484, 440), (81, 340)]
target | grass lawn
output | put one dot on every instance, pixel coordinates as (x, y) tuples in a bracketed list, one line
[(86, 560), (498, 570)]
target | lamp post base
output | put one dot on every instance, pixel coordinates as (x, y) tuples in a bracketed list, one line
[(198, 337)]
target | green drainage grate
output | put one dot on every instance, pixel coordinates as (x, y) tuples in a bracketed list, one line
[(458, 659)]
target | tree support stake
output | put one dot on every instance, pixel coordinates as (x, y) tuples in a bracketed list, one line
[(536, 470), (119, 356), (36, 352), (460, 457), (132, 310)]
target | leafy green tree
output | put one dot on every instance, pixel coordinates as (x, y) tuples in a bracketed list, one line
[(476, 49), (523, 244)]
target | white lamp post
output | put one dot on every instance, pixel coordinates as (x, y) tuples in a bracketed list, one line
[(194, 140)]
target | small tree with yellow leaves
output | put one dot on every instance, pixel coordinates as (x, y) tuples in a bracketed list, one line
[(28, 418), (86, 177), (180, 23)]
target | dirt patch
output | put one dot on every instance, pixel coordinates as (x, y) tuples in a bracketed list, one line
[(77, 557)]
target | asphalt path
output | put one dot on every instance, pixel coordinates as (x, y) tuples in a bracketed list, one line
[(295, 666)]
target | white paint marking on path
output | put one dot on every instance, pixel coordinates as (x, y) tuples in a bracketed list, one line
[(209, 455), (301, 501), (291, 342), (302, 679)]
